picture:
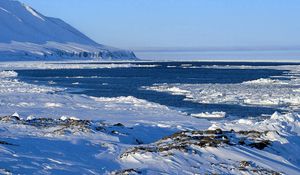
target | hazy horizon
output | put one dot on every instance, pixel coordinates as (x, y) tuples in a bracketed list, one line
[(219, 55)]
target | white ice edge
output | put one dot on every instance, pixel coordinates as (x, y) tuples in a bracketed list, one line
[(21, 65), (215, 114)]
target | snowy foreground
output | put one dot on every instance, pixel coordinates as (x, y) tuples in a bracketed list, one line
[(46, 130)]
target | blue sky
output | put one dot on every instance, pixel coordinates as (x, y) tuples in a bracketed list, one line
[(181, 23)]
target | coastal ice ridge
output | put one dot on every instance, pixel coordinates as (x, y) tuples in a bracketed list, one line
[(60, 51), (21, 65), (129, 100)]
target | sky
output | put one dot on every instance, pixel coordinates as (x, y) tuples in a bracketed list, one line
[(137, 24)]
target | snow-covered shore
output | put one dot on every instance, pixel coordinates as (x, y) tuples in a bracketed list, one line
[(57, 132)]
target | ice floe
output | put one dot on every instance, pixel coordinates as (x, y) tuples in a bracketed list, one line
[(210, 115), (8, 74), (283, 94)]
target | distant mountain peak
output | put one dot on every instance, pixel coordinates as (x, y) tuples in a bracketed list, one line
[(26, 34)]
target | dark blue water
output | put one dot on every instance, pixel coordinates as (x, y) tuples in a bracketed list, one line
[(128, 82)]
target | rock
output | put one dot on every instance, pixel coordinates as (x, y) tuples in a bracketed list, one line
[(119, 124), (126, 172), (248, 167), (183, 141), (244, 163), (260, 145)]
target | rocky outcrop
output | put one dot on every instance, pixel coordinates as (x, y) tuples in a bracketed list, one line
[(185, 140)]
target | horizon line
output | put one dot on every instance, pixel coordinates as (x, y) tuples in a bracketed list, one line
[(224, 48)]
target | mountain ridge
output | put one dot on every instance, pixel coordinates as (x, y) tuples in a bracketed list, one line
[(26, 34)]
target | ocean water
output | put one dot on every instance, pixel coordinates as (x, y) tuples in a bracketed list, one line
[(115, 82)]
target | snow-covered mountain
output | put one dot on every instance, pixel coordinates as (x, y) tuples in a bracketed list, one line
[(25, 34)]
